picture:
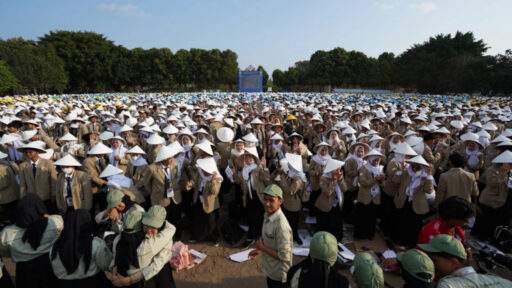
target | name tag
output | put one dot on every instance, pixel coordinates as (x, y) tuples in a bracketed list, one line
[(170, 193), (69, 201)]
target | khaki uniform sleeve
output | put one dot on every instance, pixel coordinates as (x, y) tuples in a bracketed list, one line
[(102, 254)]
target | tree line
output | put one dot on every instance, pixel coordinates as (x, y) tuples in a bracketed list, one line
[(444, 64), (87, 62)]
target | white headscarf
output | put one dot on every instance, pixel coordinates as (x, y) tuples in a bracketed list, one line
[(120, 151), (415, 180), (359, 160), (292, 173), (375, 170), (139, 161), (318, 158)]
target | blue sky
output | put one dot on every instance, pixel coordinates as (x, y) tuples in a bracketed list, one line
[(272, 33)]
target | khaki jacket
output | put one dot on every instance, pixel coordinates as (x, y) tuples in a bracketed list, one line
[(43, 184), (325, 200), (292, 192), (261, 178), (392, 183), (154, 182), (366, 181), (9, 187), (210, 192), (137, 176), (495, 192), (315, 171), (351, 172), (80, 190), (456, 182), (93, 170), (419, 199), (224, 150)]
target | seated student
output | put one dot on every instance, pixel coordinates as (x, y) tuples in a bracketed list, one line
[(118, 206), (318, 269), (449, 257), (78, 258), (454, 213), (367, 272), (143, 250), (29, 241)]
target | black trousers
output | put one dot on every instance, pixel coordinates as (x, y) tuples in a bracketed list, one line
[(254, 216), (313, 211), (408, 226), (174, 216), (365, 220), (293, 220), (487, 219), (387, 215), (331, 222), (36, 273), (275, 284), (5, 281), (99, 202), (98, 280), (9, 211), (348, 205), (163, 279), (205, 225)]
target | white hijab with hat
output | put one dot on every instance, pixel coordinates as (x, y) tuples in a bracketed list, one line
[(318, 158), (375, 170), (209, 166), (416, 176), (295, 166)]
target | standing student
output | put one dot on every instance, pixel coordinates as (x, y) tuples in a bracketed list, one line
[(371, 175), (9, 188), (94, 165), (78, 258), (316, 169), (38, 175), (277, 240), (353, 163), (29, 241), (73, 186)]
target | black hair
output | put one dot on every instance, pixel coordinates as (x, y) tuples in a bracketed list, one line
[(448, 256), (428, 136), (456, 159), (456, 207), (86, 137)]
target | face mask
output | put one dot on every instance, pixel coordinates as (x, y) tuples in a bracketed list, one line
[(68, 170), (418, 173), (135, 157)]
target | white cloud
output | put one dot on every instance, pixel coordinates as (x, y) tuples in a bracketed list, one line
[(129, 10), (425, 7), (386, 4)]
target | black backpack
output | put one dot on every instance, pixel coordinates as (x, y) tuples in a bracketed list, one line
[(231, 232), (503, 238)]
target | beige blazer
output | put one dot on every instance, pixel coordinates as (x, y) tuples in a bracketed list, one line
[(93, 171), (392, 182), (419, 199), (261, 178), (154, 182), (80, 190), (9, 187), (210, 192), (456, 182), (326, 198), (366, 181), (495, 192), (292, 191), (43, 184)]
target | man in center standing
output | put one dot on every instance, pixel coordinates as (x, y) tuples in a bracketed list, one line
[(276, 242)]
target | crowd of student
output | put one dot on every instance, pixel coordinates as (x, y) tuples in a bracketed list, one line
[(93, 190)]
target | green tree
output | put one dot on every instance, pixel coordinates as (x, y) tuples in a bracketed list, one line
[(265, 75), (8, 81)]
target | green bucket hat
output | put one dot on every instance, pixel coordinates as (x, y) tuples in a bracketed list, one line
[(324, 247), (155, 216), (367, 272), (133, 221), (444, 243), (114, 198), (273, 190), (418, 264)]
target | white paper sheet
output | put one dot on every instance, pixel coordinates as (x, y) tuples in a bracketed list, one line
[(345, 252), (198, 256), (301, 251), (389, 254), (229, 173), (240, 256)]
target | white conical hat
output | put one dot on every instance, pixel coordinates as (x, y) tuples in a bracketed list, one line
[(348, 130), (206, 146), (106, 135), (410, 133), (29, 134), (225, 134), (253, 151), (176, 146), (489, 126), (418, 160), (3, 155), (202, 131), (505, 157), (208, 165), (373, 152), (333, 164), (284, 165), (250, 138), (110, 170), (165, 152), (405, 149), (135, 150), (146, 129), (375, 138), (155, 128), (457, 124), (68, 137), (414, 140), (47, 155), (170, 129), (67, 160), (507, 142), (276, 136), (155, 139), (442, 130), (99, 149), (6, 138), (125, 128), (229, 121), (295, 161), (499, 139), (256, 121), (32, 146)]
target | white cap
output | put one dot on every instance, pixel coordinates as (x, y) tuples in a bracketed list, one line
[(295, 161), (165, 152), (225, 134), (99, 149), (208, 165), (110, 170), (67, 160), (68, 137), (505, 157), (135, 150), (333, 164)]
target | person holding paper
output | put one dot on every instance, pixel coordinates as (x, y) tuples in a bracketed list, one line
[(119, 205), (277, 239)]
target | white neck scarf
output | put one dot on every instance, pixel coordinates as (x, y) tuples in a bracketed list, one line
[(139, 162), (415, 180), (117, 152), (248, 169), (322, 160), (292, 173)]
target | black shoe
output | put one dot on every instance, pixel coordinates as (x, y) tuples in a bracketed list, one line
[(216, 243)]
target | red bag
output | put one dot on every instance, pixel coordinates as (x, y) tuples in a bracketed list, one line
[(181, 257)]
